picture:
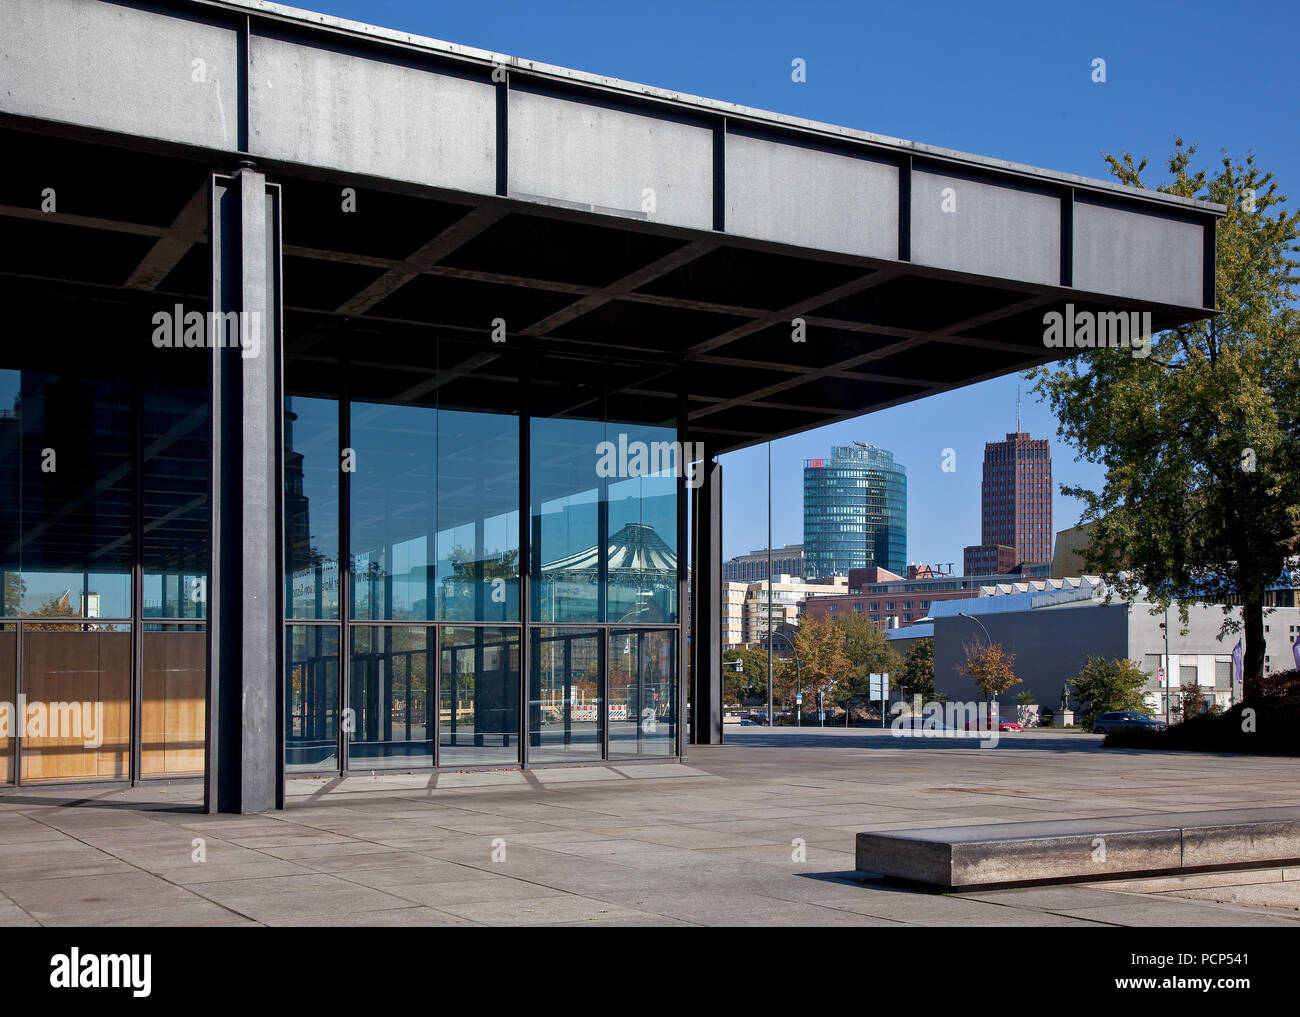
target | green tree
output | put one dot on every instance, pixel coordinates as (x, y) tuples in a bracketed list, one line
[(750, 682), (868, 651), (822, 660), (918, 670), (1103, 686), (1199, 440)]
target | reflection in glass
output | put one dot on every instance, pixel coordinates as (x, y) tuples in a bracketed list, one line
[(391, 682), (642, 692), (311, 507), (564, 695), (478, 516), (77, 687), (174, 495), (66, 500), (566, 520), (479, 701), (393, 510), (311, 697), (642, 553), (174, 707)]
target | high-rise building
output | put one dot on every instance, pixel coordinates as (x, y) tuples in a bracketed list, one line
[(854, 511), (1015, 504)]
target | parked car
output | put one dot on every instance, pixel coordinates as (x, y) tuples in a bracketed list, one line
[(1004, 724), (1122, 720), (746, 722)]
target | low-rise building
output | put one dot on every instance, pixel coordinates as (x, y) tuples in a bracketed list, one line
[(1053, 632)]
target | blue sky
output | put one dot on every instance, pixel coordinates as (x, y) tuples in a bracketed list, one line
[(1007, 80)]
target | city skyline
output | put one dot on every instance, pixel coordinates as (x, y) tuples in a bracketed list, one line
[(943, 507)]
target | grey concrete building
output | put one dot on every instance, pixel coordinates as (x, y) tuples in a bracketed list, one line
[(1052, 635)]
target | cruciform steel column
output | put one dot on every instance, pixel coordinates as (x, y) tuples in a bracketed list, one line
[(706, 609), (244, 771)]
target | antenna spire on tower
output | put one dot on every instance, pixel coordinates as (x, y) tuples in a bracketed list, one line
[(1017, 409)]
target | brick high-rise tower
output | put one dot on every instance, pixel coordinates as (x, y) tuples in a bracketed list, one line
[(1016, 498)]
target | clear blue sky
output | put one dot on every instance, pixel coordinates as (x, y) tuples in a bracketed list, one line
[(1010, 80)]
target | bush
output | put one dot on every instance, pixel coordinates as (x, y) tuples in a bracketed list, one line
[(1271, 729)]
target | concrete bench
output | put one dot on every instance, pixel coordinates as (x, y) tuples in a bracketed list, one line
[(1005, 854)]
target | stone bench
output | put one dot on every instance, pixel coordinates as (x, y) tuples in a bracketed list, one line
[(1004, 854)]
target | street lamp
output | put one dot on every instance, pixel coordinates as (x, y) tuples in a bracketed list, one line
[(1164, 625), (798, 675), (971, 617)]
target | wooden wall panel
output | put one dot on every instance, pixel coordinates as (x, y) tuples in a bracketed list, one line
[(175, 697), (84, 667), (8, 694)]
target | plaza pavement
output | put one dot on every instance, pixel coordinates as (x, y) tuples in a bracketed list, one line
[(758, 831)]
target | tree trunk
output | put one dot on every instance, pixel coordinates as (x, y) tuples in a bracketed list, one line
[(1252, 618)]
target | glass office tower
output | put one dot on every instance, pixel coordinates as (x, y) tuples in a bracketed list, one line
[(854, 511)]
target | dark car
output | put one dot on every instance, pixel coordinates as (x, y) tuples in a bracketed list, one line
[(1126, 720)]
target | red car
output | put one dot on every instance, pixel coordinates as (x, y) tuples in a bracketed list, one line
[(1004, 724)]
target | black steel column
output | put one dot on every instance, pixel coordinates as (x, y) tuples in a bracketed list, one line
[(706, 609), (245, 591)]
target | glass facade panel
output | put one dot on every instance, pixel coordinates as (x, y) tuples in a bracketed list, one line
[(642, 545), (77, 686), (311, 697), (67, 503), (311, 507), (568, 519), (567, 713), (478, 516), (642, 692), (479, 701), (173, 711), (390, 693), (174, 490), (10, 721), (393, 511)]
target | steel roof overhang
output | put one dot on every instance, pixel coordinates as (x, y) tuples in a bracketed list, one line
[(603, 221)]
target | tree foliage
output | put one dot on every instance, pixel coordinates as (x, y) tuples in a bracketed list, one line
[(1199, 440), (989, 666), (1105, 685), (822, 660), (918, 670), (748, 683), (869, 652)]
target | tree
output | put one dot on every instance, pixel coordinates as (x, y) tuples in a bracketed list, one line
[(750, 682), (869, 652), (918, 670), (989, 665), (1103, 686), (822, 660), (1199, 440)]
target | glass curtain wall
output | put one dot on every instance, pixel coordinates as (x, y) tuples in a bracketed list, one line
[(403, 477), (103, 524)]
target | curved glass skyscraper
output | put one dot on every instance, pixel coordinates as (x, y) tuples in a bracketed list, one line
[(854, 511)]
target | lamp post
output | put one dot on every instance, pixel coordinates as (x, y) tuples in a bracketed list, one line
[(1169, 680), (769, 584), (971, 617)]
